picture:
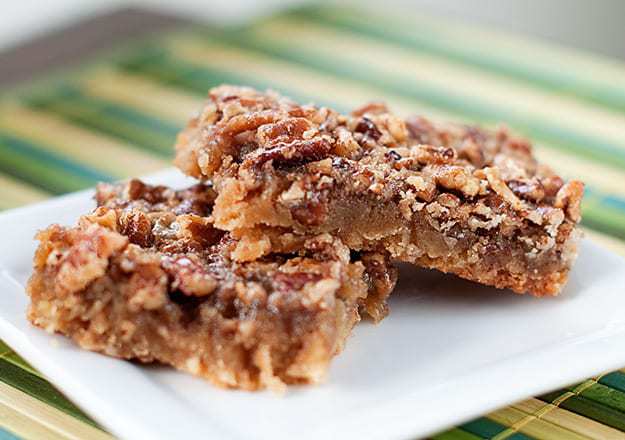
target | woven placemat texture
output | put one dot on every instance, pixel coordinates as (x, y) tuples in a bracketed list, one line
[(117, 115)]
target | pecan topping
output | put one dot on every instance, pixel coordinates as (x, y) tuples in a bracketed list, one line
[(456, 197)]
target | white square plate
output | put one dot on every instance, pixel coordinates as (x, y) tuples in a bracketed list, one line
[(449, 351)]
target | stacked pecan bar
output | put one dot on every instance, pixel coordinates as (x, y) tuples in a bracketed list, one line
[(255, 277), (450, 197), (146, 276)]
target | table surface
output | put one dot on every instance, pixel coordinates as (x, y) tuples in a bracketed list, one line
[(101, 117)]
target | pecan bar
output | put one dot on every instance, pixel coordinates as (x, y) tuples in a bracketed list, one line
[(147, 277), (452, 197)]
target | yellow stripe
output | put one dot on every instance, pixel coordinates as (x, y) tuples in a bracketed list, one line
[(15, 193), (121, 126), (290, 76), (569, 420), (57, 135), (494, 90), (24, 427), (344, 92), (60, 424), (532, 426), (143, 94), (600, 177), (502, 45), (615, 245)]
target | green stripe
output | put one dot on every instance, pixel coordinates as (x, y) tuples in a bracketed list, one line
[(40, 389), (455, 434), (45, 156), (483, 427), (606, 396), (600, 223), (599, 215), (595, 411), (4, 348), (467, 107), (10, 356), (434, 41), (107, 107), (141, 130), (614, 380), (156, 64), (16, 360), (589, 408), (6, 435), (43, 169), (486, 428), (519, 436), (166, 68)]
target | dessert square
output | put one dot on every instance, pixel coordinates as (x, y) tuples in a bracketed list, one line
[(451, 197), (147, 277)]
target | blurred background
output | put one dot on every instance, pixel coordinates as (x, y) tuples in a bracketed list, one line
[(587, 24), (97, 90)]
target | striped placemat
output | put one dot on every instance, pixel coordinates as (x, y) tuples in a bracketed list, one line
[(117, 116)]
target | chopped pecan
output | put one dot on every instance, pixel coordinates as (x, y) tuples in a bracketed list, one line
[(297, 152), (498, 185), (137, 227), (429, 154), (531, 189), (569, 198), (368, 128), (283, 131), (456, 178), (371, 108)]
